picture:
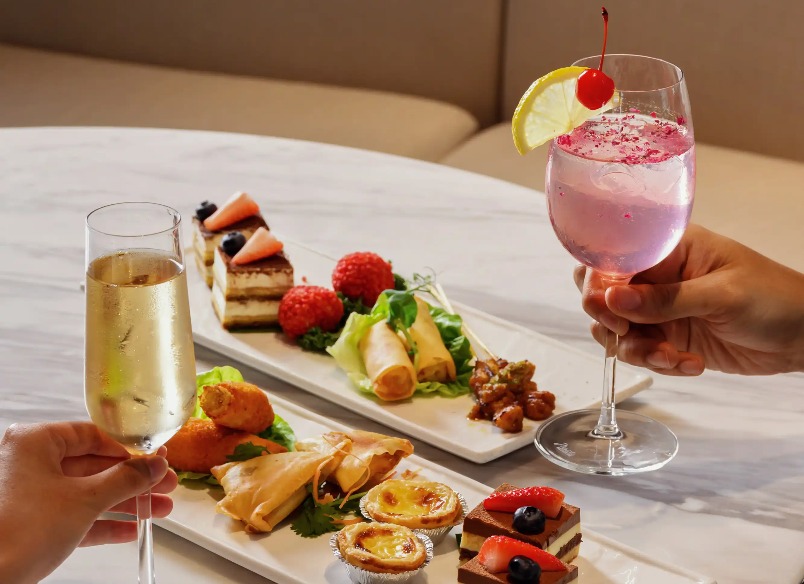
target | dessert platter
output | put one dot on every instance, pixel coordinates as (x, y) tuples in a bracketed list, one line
[(270, 505), (259, 301)]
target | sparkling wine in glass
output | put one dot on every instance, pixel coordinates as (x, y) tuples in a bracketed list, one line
[(619, 193), (139, 376)]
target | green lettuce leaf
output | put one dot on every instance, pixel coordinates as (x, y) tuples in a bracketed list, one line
[(346, 353), (280, 432), (196, 478), (245, 451)]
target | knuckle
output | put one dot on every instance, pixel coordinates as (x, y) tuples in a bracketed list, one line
[(17, 432), (579, 275), (631, 352)]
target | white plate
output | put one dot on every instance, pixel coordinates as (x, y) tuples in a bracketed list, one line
[(574, 376), (287, 558)]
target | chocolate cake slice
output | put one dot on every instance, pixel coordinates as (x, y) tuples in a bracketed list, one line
[(473, 572), (561, 536)]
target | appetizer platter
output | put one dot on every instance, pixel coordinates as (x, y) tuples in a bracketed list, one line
[(407, 358), (259, 511)]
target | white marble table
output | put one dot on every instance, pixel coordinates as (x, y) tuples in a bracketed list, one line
[(730, 506)]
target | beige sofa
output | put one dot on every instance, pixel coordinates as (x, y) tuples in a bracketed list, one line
[(430, 79)]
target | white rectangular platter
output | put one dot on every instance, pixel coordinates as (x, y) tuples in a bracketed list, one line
[(574, 376), (288, 558)]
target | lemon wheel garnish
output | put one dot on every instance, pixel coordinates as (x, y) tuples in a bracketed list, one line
[(549, 109)]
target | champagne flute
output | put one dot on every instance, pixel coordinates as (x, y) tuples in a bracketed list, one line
[(619, 193), (139, 373)]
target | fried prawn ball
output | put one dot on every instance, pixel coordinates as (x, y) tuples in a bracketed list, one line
[(201, 444), (237, 405)]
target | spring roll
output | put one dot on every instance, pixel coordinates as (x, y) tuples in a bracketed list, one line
[(435, 361), (387, 363)]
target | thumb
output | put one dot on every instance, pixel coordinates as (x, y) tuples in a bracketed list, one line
[(657, 303), (125, 480)]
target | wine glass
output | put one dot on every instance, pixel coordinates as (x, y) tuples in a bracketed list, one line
[(139, 373), (619, 193)]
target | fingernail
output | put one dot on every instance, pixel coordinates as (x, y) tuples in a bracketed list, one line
[(658, 359), (627, 299), (611, 322), (691, 367)]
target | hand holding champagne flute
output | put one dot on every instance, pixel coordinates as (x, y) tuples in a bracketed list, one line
[(140, 364)]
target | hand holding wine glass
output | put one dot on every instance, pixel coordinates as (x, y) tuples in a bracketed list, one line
[(619, 184), (694, 310), (58, 478), (140, 365)]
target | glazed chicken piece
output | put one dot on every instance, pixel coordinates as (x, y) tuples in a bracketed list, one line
[(506, 393)]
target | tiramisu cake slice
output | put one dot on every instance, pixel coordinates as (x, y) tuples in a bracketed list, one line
[(534, 515), (210, 225), (249, 279)]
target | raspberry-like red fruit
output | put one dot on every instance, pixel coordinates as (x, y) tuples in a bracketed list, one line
[(362, 275), (306, 307)]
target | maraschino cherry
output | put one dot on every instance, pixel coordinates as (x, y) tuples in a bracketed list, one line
[(595, 88)]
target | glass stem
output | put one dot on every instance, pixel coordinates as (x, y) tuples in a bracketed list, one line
[(145, 540), (607, 422)]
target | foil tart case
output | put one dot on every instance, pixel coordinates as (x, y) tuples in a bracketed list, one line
[(361, 576), (436, 534)]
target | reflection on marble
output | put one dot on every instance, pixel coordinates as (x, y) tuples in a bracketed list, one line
[(736, 485)]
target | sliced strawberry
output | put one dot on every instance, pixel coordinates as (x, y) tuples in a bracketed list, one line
[(236, 208), (260, 245), (547, 499), (497, 551)]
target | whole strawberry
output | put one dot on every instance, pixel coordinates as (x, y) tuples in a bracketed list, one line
[(362, 275), (305, 307)]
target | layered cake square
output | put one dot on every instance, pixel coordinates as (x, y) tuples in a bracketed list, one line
[(473, 572), (206, 241), (248, 295), (561, 536)]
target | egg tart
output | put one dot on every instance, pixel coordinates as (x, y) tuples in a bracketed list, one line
[(382, 548), (414, 504)]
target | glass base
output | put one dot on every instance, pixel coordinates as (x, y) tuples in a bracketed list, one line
[(644, 443)]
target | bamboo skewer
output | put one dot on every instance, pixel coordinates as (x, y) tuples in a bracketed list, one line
[(437, 292)]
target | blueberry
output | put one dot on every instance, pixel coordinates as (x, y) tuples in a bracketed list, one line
[(233, 242), (205, 209), (529, 520), (523, 570)]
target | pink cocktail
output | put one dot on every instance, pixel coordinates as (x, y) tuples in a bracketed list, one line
[(619, 191)]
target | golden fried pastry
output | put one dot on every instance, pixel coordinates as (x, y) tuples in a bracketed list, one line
[(381, 547), (435, 361), (201, 444), (414, 504), (335, 444), (372, 457), (262, 491), (238, 405), (387, 363)]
